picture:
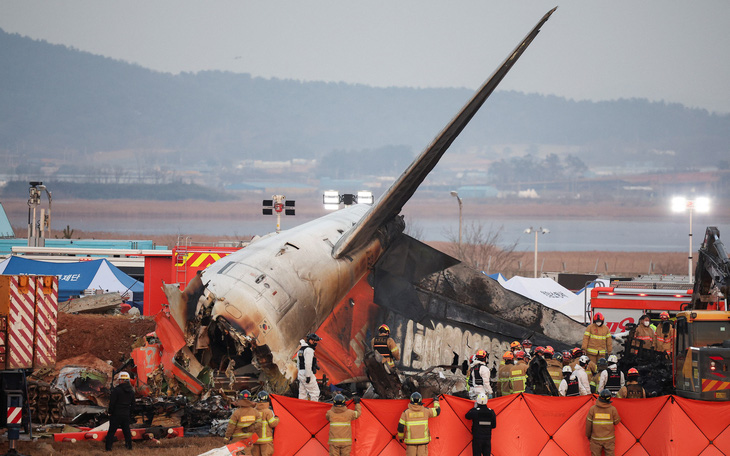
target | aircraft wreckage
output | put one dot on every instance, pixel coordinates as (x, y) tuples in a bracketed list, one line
[(344, 274)]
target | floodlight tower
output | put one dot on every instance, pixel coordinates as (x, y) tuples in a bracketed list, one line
[(701, 205), (540, 230)]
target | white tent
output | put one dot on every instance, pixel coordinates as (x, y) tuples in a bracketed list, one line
[(549, 293)]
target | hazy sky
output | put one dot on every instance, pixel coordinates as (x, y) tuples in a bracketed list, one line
[(670, 50)]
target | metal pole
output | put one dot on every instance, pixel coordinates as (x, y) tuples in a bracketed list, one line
[(460, 220), (691, 277), (536, 232)]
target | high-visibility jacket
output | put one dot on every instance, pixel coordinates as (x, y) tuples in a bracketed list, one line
[(643, 337), (387, 348), (265, 424), (503, 374), (242, 421), (518, 377), (632, 390), (662, 342), (555, 369), (601, 421), (340, 418), (413, 423), (597, 341)]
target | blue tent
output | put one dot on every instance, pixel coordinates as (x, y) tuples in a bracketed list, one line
[(74, 278)]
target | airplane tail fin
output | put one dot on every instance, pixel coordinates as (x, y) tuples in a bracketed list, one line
[(393, 200)]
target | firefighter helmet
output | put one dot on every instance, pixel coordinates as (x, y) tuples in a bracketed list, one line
[(602, 362), (605, 395), (664, 315), (481, 355), (416, 398), (597, 317), (558, 356), (244, 394), (508, 356), (339, 399), (549, 350), (526, 343), (519, 354), (313, 337), (263, 396), (384, 329), (633, 373), (567, 369), (540, 350), (576, 353), (482, 399), (567, 355), (515, 345)]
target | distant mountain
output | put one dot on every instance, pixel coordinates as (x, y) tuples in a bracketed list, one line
[(58, 102)]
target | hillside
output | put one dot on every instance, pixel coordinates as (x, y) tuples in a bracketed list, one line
[(84, 110)]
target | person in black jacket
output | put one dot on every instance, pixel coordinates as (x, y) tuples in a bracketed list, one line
[(483, 420), (120, 411)]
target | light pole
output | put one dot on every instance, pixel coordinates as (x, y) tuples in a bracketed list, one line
[(455, 194), (540, 230), (700, 204)]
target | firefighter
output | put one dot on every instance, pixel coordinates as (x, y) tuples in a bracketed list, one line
[(470, 364), (612, 378), (568, 386), (413, 425), (632, 389), (600, 425), (597, 341), (579, 373), (664, 334), (483, 420), (340, 418), (120, 411), (514, 346), (264, 426), (643, 335), (307, 363), (554, 367), (595, 377), (567, 357), (243, 420), (503, 374), (386, 348), (518, 374), (527, 348), (479, 376)]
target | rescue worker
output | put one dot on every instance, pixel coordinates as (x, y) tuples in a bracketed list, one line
[(514, 346), (643, 335), (385, 346), (483, 420), (579, 373), (568, 386), (596, 377), (527, 348), (340, 418), (612, 378), (554, 367), (470, 364), (413, 425), (600, 425), (664, 334), (597, 342), (307, 364), (242, 423), (567, 358), (518, 374), (264, 426), (479, 376), (120, 411), (503, 374), (632, 389)]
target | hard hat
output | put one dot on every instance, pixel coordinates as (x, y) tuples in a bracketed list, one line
[(384, 329), (633, 372), (244, 394), (482, 399), (612, 359), (515, 344), (313, 336), (605, 395), (577, 352), (566, 354), (481, 355), (549, 350), (508, 356), (526, 343), (567, 369), (416, 398), (519, 354), (558, 356), (263, 396), (123, 375), (472, 358), (339, 399), (540, 350), (664, 315), (598, 317), (602, 361), (584, 359)]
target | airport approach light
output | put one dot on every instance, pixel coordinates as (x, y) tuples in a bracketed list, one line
[(332, 199), (700, 204), (278, 204), (540, 230)]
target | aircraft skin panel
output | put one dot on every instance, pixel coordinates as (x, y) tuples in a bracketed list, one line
[(392, 201)]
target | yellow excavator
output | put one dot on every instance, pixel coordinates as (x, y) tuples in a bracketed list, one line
[(702, 340)]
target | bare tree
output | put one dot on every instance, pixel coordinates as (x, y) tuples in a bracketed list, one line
[(484, 248)]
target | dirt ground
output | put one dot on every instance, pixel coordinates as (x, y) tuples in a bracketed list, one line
[(192, 446)]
